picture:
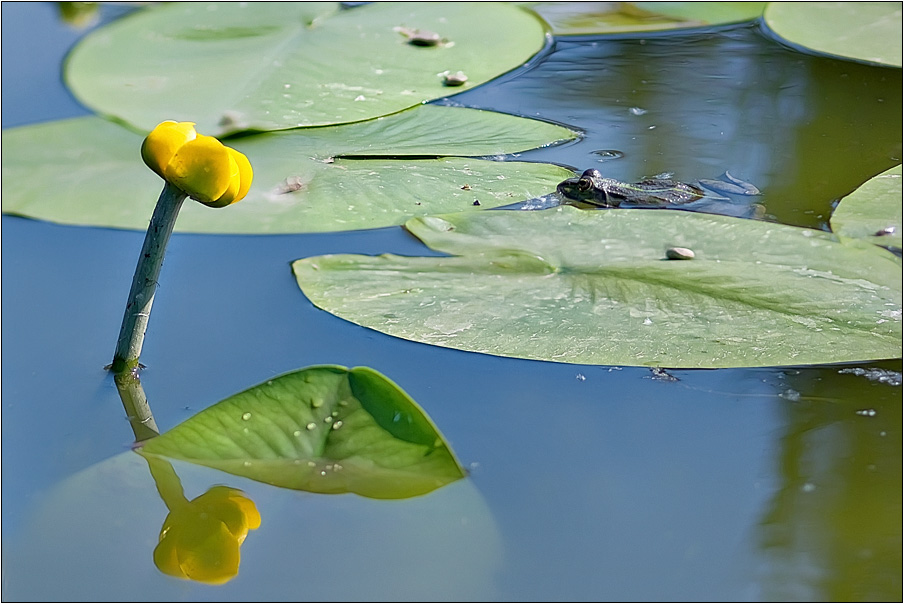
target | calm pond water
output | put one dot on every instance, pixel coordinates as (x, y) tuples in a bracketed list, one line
[(587, 482)]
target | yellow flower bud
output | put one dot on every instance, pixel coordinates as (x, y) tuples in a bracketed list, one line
[(162, 143), (202, 166)]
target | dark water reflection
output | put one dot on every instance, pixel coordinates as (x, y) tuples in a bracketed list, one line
[(599, 483), (806, 130)]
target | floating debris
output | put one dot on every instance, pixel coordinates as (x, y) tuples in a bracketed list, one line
[(790, 395), (679, 253), (420, 37), (607, 154), (289, 185), (454, 79), (661, 375), (883, 376)]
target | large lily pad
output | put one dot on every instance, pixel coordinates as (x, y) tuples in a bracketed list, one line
[(873, 212), (324, 429), (595, 287), (862, 31), (88, 171), (582, 18), (273, 65)]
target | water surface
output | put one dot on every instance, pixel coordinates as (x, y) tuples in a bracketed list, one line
[(587, 482)]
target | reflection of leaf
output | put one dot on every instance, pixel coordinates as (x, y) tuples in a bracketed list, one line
[(88, 171), (581, 18), (594, 287), (862, 31), (873, 208), (323, 429), (230, 66)]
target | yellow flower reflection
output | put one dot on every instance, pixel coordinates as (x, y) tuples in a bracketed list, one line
[(200, 539), (207, 170)]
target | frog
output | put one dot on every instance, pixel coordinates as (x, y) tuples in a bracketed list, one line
[(593, 189)]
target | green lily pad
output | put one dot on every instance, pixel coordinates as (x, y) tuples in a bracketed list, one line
[(595, 287), (582, 18), (324, 429), (88, 171), (873, 211), (861, 31), (268, 66)]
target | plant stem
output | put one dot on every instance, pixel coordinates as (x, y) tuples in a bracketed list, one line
[(144, 283)]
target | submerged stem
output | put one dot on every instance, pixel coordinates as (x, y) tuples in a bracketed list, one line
[(144, 283)]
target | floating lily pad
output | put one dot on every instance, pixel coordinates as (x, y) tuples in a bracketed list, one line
[(873, 212), (88, 171), (323, 429), (273, 65), (582, 18), (861, 31), (595, 287)]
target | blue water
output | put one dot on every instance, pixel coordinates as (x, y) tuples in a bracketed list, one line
[(587, 483)]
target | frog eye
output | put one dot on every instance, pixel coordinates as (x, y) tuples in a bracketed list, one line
[(584, 184)]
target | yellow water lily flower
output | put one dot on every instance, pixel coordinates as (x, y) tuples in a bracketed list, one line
[(203, 167), (200, 538)]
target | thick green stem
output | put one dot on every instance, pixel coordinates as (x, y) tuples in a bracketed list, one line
[(144, 283)]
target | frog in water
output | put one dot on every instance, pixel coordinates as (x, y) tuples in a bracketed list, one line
[(594, 189)]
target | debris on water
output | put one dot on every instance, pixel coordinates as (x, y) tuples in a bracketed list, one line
[(637, 111), (679, 253), (808, 487), (883, 376), (580, 377), (246, 416), (790, 395), (889, 230), (734, 186), (466, 187), (661, 375), (866, 412), (476, 202), (607, 154)]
